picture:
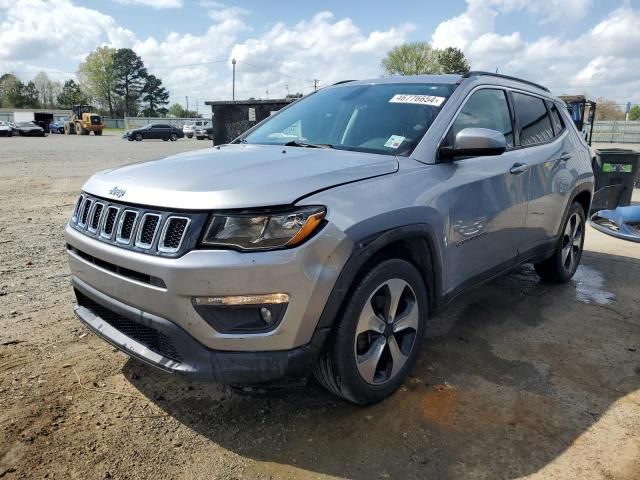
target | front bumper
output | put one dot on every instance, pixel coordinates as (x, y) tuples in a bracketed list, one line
[(161, 343), (306, 273)]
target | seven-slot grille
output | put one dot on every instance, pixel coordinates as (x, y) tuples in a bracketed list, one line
[(131, 227)]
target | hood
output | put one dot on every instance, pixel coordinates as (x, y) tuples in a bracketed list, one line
[(236, 176)]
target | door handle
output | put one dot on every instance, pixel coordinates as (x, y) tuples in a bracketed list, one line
[(565, 156), (519, 168)]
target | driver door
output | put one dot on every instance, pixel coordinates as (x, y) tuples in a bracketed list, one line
[(487, 197)]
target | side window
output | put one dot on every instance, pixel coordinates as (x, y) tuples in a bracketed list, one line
[(556, 119), (534, 123), (486, 108)]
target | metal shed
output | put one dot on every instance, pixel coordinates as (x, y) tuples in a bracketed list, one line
[(232, 118)]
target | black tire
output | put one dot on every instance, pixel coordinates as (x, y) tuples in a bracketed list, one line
[(130, 139), (97, 133), (190, 136), (173, 137), (560, 267), (165, 139), (138, 137), (200, 138), (337, 368)]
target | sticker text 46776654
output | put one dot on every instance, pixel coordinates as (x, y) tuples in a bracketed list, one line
[(428, 100)]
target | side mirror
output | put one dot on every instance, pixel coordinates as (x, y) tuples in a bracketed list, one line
[(475, 142)]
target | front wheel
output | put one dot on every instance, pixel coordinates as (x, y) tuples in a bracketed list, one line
[(566, 258), (138, 137), (378, 335)]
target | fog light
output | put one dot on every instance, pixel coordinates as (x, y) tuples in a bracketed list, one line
[(272, 298), (242, 313), (265, 313)]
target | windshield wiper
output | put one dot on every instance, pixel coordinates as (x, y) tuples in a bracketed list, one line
[(296, 143)]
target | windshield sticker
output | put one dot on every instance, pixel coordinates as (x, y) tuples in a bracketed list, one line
[(428, 100), (394, 141)]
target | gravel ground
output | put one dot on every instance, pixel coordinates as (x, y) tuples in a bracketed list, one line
[(516, 379)]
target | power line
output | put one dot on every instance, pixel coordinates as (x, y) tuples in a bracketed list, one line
[(186, 65), (275, 71)]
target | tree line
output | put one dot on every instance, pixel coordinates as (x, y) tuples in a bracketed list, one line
[(419, 58), (114, 80)]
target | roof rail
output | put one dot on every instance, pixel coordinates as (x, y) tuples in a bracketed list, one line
[(478, 73), (342, 81)]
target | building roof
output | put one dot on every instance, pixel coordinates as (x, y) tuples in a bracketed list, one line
[(250, 102)]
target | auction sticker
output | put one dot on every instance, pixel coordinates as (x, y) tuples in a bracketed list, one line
[(429, 100), (394, 141)]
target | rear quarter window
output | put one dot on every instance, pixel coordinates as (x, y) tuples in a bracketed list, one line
[(556, 119), (534, 124)]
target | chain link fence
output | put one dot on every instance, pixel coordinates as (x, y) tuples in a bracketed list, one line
[(137, 122)]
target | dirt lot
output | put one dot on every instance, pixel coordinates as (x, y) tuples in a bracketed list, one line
[(516, 379)]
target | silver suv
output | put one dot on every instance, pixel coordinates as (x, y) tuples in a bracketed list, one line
[(321, 241)]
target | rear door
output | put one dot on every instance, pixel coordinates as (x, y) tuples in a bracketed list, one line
[(488, 197), (549, 148)]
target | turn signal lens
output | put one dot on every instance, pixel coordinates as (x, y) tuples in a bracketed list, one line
[(271, 298)]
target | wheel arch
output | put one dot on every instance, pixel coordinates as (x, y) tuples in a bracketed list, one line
[(583, 194), (416, 243)]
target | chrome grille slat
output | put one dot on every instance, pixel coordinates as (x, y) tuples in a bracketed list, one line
[(76, 210), (173, 233), (147, 230), (95, 217), (137, 228), (109, 224), (126, 226), (86, 207)]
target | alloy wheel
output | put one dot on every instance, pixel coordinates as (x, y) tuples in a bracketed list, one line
[(572, 242), (386, 331)]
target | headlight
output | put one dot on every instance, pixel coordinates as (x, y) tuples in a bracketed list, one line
[(263, 231)]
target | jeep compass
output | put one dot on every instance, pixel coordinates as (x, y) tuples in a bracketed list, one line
[(320, 242)]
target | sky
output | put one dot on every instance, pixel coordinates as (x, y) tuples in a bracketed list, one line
[(571, 46)]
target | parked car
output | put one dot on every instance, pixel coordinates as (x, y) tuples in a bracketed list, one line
[(30, 129), (156, 131), (14, 128), (56, 127), (5, 130), (321, 240), (204, 132), (190, 127)]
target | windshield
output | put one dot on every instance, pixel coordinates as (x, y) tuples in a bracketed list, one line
[(27, 124), (383, 118)]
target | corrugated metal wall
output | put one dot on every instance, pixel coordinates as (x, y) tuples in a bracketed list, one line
[(616, 132)]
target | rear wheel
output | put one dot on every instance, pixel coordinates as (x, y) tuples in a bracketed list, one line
[(190, 135), (98, 133), (378, 335), (173, 137), (566, 258)]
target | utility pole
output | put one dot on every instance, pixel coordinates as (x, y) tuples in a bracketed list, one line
[(315, 84), (233, 90), (286, 85), (267, 94), (196, 107), (187, 98)]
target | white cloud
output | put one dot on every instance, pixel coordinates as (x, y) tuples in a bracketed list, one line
[(42, 30), (602, 60), (323, 47), (153, 3)]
